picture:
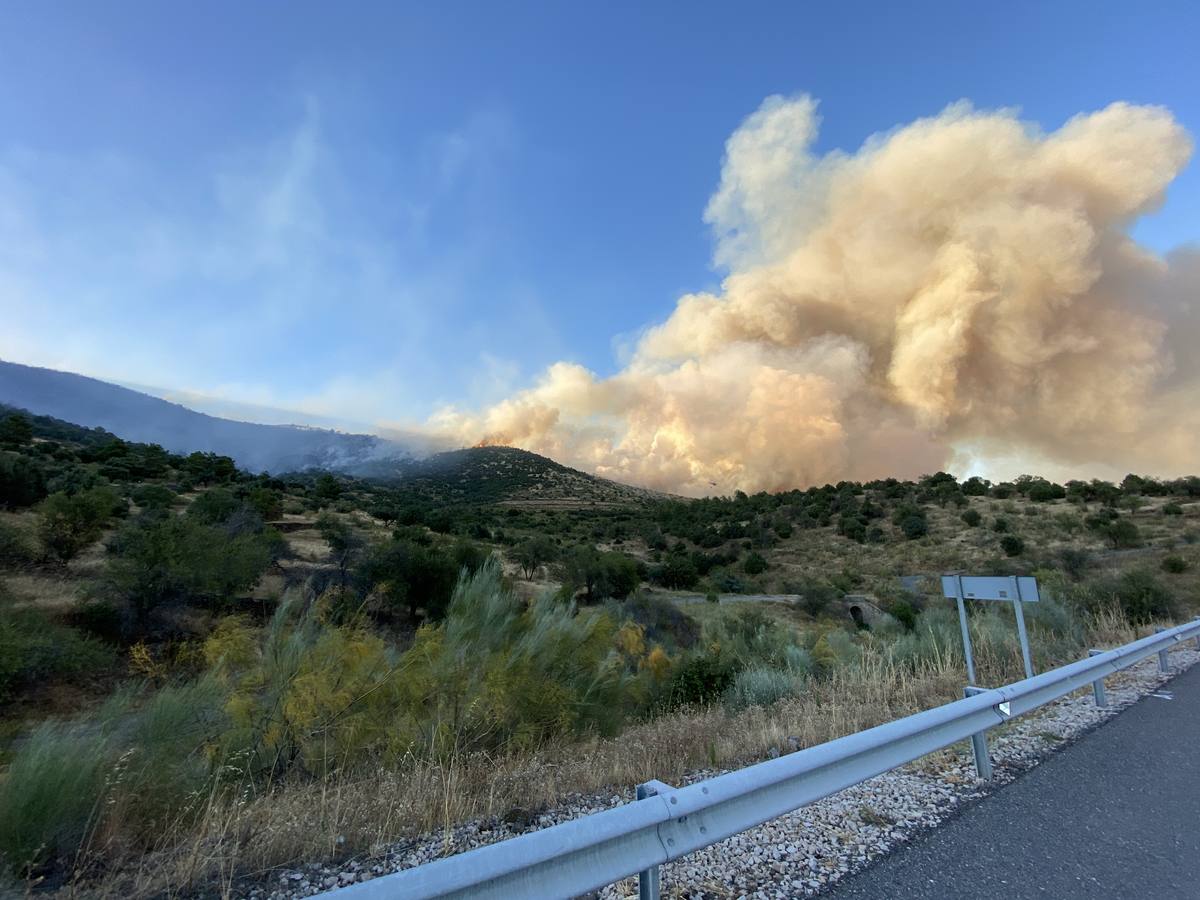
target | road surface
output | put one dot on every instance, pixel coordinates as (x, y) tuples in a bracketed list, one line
[(1114, 815)]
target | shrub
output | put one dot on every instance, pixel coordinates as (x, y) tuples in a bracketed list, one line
[(676, 571), (1074, 561), (815, 597), (16, 549), (914, 527), (754, 564), (1012, 545), (1172, 509), (48, 796), (972, 518), (214, 506), (759, 686), (178, 560), (904, 613), (22, 481), (67, 523), (35, 649), (1174, 565), (712, 597), (1140, 595), (700, 678), (406, 576), (1000, 525), (1123, 534), (532, 553), (662, 621), (154, 496)]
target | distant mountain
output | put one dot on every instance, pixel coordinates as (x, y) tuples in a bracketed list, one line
[(505, 475), (135, 416)]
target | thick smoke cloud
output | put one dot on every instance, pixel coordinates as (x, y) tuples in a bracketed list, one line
[(962, 280)]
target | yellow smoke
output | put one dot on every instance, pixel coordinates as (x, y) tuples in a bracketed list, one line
[(965, 279)]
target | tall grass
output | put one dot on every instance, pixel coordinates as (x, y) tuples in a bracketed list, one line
[(306, 740)]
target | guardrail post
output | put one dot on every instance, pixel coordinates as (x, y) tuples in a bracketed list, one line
[(648, 879), (1098, 684), (1198, 636), (983, 763), (1164, 664)]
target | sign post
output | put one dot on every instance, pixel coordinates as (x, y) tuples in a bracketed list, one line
[(966, 631), (1019, 589)]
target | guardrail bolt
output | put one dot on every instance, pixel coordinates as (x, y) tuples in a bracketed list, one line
[(1164, 664), (1098, 685)]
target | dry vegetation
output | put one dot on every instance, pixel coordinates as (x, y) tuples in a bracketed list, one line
[(332, 692)]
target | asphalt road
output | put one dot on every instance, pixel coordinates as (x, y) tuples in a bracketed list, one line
[(1116, 814)]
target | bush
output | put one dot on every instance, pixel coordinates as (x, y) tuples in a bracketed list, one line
[(22, 481), (676, 571), (214, 506), (69, 523), (904, 613), (754, 564), (760, 686), (154, 496), (406, 576), (972, 518), (34, 649), (1174, 565), (16, 549), (1141, 597), (1123, 534), (48, 796), (662, 621), (701, 678), (1000, 525), (1012, 545), (815, 597), (1074, 561), (177, 559), (1172, 509)]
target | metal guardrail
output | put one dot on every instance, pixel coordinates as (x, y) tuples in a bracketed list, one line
[(666, 823)]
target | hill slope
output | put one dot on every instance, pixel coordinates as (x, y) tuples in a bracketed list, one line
[(139, 417), (507, 476)]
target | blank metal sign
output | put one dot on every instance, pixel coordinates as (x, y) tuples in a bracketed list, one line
[(990, 587)]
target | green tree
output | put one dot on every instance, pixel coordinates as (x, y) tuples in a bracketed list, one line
[(403, 575), (972, 518), (327, 488), (344, 541), (1012, 545), (15, 430), (755, 564), (179, 560), (1122, 534), (67, 524), (533, 553), (214, 506), (22, 481)]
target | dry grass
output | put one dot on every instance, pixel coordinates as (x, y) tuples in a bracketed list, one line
[(361, 811)]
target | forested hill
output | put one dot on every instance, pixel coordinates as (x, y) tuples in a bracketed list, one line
[(135, 416), (505, 475)]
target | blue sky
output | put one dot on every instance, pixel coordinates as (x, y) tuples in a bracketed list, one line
[(366, 211)]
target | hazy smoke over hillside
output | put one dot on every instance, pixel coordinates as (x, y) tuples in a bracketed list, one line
[(965, 279)]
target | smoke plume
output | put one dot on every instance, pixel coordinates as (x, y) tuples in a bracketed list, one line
[(964, 280)]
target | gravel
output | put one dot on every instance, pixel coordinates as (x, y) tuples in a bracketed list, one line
[(803, 852)]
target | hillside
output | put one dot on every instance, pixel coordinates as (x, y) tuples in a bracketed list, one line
[(543, 628), (135, 416), (506, 476)]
